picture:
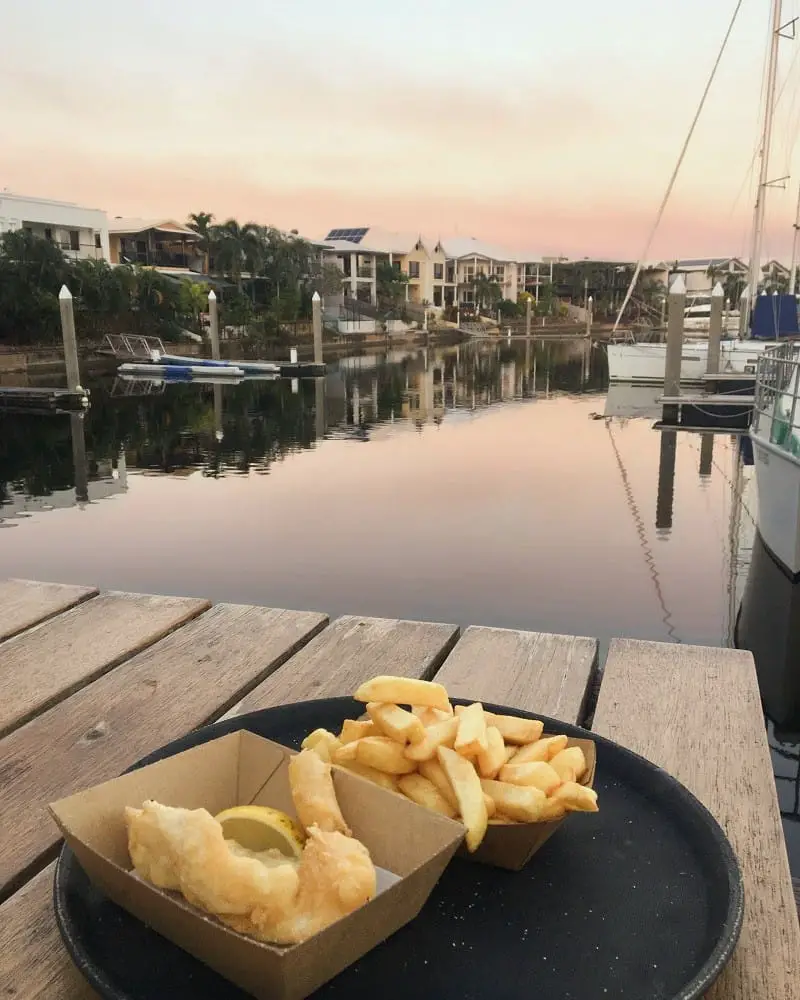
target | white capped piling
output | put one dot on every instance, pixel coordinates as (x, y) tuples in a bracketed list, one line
[(292, 355), (528, 312), (715, 328), (316, 319), (213, 328), (675, 319), (65, 304)]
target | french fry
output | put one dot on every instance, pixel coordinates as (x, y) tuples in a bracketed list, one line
[(383, 754), (345, 753), (386, 781), (491, 808), (537, 773), (440, 734), (511, 751), (570, 764), (471, 735), (494, 757), (512, 728), (520, 802), (429, 716), (404, 691), (541, 750), (396, 723), (322, 743), (575, 797), (356, 729), (467, 787), (423, 791), (552, 811), (434, 772)]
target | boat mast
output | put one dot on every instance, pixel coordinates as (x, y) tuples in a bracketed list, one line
[(764, 151)]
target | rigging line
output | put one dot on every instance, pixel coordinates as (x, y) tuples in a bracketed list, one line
[(642, 534), (679, 164)]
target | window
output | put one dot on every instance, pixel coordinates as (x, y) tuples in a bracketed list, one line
[(97, 243), (437, 296), (48, 234), (438, 271), (413, 269), (74, 239)]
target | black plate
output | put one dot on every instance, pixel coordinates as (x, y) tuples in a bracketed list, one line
[(641, 900)]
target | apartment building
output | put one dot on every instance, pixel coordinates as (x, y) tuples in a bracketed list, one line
[(78, 232), (440, 272)]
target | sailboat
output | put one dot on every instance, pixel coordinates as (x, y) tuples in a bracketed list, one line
[(631, 362)]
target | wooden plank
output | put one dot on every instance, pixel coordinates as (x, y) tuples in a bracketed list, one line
[(187, 679), (696, 712), (34, 964), (352, 650), (24, 603), (550, 674), (46, 664)]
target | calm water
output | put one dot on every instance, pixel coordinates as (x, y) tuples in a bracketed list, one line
[(474, 485)]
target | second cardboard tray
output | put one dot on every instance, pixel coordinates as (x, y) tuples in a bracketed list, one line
[(643, 898)]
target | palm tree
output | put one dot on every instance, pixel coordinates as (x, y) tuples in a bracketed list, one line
[(200, 222), (486, 289), (233, 244)]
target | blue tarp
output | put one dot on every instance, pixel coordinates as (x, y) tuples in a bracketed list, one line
[(775, 316)]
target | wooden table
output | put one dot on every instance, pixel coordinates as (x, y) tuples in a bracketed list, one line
[(91, 682)]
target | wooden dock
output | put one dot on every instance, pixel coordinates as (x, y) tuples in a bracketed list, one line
[(90, 682)]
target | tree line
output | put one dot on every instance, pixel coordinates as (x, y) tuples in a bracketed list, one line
[(262, 277)]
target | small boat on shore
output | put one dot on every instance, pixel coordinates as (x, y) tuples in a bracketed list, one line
[(248, 367), (179, 371)]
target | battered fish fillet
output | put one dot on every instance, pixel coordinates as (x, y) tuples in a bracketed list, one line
[(185, 850), (313, 793)]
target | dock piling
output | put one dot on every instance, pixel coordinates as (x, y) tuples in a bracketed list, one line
[(672, 361), (715, 328), (213, 329), (589, 311), (316, 315), (66, 306), (528, 311)]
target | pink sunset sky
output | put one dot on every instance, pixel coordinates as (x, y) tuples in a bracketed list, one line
[(547, 127)]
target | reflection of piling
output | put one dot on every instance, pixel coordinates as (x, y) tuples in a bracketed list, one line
[(706, 453), (219, 434), (666, 479), (66, 307), (589, 311), (122, 469), (79, 465), (316, 318), (528, 311), (319, 408), (213, 327), (715, 328), (672, 363)]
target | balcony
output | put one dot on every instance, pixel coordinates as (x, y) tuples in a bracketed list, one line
[(365, 271)]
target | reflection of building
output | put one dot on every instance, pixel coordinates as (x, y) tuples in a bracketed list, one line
[(159, 243), (78, 232), (423, 400)]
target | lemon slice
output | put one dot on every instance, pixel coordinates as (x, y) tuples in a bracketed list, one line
[(259, 828)]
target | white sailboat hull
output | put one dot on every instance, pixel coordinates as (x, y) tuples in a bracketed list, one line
[(778, 478), (646, 362)]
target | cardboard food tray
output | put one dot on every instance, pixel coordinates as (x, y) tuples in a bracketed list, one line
[(238, 769), (512, 845)]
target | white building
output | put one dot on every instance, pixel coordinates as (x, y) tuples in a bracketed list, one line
[(440, 272), (78, 232)]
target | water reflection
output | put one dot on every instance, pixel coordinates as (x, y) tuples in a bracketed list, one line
[(177, 429)]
